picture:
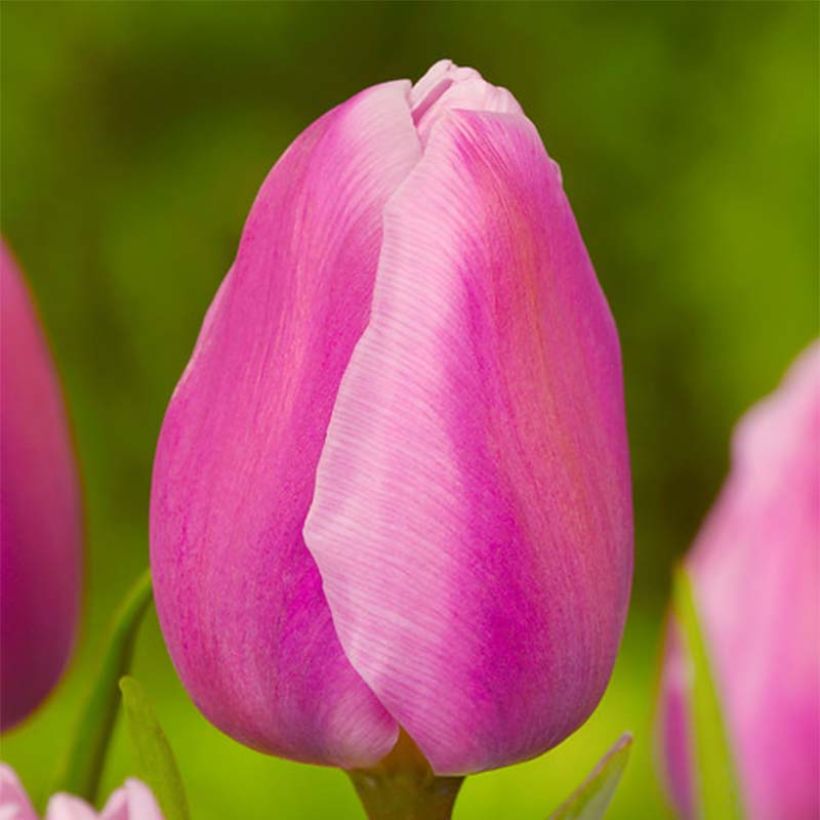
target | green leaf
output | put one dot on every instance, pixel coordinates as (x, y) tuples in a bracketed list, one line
[(155, 760), (590, 800), (718, 795), (80, 769)]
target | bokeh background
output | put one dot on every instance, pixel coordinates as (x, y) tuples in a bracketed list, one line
[(134, 136)]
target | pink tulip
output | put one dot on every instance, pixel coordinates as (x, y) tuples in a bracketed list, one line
[(392, 486), (41, 534), (133, 801), (755, 573)]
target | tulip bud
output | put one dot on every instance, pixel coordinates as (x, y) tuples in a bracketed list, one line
[(754, 570), (41, 533), (133, 801), (392, 487)]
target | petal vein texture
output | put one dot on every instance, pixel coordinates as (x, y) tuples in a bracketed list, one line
[(392, 486), (238, 595), (472, 516)]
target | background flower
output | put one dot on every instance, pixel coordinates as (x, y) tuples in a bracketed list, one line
[(41, 538), (133, 801), (755, 568)]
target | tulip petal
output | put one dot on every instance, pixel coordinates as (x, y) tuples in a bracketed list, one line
[(116, 807), (756, 572), (14, 802), (713, 777), (675, 729), (67, 807), (134, 801), (239, 597), (472, 516), (447, 86), (40, 510)]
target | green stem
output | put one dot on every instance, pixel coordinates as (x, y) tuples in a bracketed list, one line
[(404, 787), (81, 767)]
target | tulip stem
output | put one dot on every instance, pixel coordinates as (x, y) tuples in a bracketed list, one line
[(403, 787), (81, 767)]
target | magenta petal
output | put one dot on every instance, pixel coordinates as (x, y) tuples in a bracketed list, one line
[(239, 597), (472, 518), (675, 741), (41, 530)]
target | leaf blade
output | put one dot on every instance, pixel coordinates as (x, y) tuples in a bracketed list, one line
[(717, 794), (156, 764), (591, 799)]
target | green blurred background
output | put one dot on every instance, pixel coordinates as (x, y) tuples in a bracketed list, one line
[(134, 137)]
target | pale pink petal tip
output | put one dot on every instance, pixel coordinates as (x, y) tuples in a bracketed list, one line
[(67, 807), (448, 87), (117, 806), (134, 801), (14, 802)]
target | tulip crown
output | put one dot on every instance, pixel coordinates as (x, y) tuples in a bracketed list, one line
[(392, 486)]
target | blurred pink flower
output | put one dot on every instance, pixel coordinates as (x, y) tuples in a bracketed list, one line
[(755, 572), (133, 801), (40, 514), (392, 487)]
